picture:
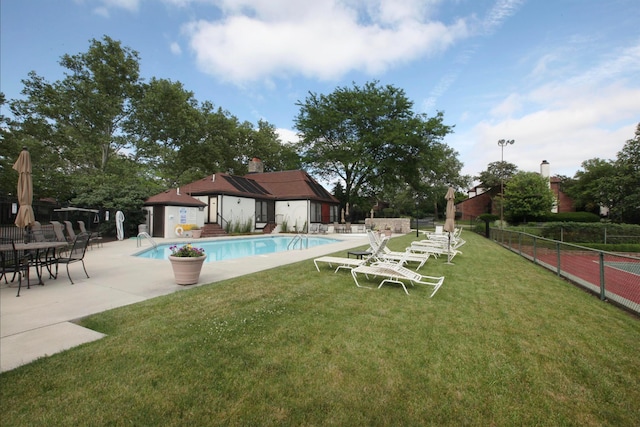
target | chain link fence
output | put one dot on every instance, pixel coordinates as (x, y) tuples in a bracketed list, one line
[(614, 277)]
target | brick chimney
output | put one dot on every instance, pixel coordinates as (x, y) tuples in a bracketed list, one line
[(256, 166)]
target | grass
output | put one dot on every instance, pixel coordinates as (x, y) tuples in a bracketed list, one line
[(503, 342)]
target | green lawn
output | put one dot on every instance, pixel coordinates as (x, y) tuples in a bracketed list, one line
[(502, 343)]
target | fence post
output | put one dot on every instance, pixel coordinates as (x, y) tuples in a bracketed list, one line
[(535, 257), (602, 297), (519, 243), (558, 257)]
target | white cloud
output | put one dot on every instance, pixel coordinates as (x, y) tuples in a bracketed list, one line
[(259, 39), (588, 112), (130, 5), (287, 135), (175, 48), (508, 106), (567, 126), (501, 10)]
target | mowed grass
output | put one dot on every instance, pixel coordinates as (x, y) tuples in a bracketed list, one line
[(502, 343)]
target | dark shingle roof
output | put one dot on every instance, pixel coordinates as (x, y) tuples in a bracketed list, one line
[(285, 185), (171, 197)]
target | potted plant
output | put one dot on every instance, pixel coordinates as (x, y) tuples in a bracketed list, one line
[(196, 231), (186, 262)]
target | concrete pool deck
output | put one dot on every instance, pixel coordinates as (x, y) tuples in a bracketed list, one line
[(41, 321)]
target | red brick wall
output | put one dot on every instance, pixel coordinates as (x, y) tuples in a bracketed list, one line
[(565, 203), (471, 208)]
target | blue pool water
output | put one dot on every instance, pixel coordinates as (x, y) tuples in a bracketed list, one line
[(219, 250)]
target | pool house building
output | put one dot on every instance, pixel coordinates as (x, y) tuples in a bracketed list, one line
[(259, 202)]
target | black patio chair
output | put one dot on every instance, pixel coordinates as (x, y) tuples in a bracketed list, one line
[(16, 262), (75, 254)]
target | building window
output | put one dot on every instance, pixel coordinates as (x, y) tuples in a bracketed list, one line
[(316, 212), (333, 214), (261, 211)]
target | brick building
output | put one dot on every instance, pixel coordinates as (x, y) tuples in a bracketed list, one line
[(481, 201)]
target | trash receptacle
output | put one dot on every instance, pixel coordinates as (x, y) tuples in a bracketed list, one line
[(142, 228)]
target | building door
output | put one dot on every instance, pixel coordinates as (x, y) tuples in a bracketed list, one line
[(271, 211), (213, 210), (158, 221)]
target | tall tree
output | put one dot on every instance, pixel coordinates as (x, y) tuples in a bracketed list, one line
[(628, 180), (591, 187), (85, 112), (267, 146), (495, 174), (368, 137), (165, 118), (527, 196)]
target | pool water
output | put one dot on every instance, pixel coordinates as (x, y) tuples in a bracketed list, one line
[(224, 249)]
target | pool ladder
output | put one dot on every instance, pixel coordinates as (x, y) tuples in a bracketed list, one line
[(145, 235), (299, 238)]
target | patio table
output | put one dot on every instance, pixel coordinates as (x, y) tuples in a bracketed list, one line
[(37, 248)]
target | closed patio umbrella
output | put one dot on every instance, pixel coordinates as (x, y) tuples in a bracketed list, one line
[(449, 223), (25, 217)]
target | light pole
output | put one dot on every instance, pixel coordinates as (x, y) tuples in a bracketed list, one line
[(502, 143)]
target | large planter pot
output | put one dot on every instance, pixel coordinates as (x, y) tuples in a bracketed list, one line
[(196, 233), (186, 270)]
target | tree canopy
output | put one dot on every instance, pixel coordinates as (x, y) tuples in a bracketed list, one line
[(371, 140), (610, 183), (102, 137), (495, 174), (527, 196)]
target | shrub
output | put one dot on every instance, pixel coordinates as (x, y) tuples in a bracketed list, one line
[(572, 217), (580, 232)]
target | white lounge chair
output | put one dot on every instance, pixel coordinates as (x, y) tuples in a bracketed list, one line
[(434, 251), (386, 254), (341, 262), (439, 231), (396, 273), (349, 263)]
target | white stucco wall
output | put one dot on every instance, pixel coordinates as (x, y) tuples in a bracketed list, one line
[(295, 213), (237, 209), (179, 215)]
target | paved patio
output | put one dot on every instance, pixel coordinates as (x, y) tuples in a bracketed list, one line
[(41, 321)]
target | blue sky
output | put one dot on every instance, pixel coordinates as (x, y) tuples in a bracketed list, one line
[(560, 77)]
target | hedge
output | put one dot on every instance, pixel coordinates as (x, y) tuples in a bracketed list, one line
[(577, 232)]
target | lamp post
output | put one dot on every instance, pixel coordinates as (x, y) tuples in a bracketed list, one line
[(502, 143)]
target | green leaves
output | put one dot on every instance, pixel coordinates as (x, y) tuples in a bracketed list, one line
[(527, 196), (369, 138)]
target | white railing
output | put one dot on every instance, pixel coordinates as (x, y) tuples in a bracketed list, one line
[(145, 235), (303, 239)]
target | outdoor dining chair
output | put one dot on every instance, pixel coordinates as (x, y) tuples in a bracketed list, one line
[(94, 238), (13, 261), (76, 254)]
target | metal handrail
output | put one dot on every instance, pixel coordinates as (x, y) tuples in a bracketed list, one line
[(145, 235), (222, 220), (300, 237)]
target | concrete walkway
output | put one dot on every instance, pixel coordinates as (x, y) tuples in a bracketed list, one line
[(40, 322)]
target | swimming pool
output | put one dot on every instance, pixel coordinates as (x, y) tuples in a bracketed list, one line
[(224, 249)]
